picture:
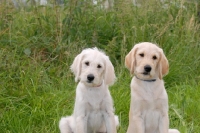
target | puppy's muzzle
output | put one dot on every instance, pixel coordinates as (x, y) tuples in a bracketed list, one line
[(147, 69), (90, 78)]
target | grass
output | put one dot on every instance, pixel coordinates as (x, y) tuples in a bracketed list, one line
[(38, 45)]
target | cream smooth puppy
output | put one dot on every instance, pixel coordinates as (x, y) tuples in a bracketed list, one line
[(93, 110), (149, 101)]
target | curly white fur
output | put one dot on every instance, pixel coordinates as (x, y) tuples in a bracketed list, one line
[(93, 110)]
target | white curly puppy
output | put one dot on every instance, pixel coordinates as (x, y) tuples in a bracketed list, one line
[(93, 110), (149, 101)]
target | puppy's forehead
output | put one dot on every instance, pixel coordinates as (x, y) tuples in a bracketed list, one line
[(148, 48), (94, 56)]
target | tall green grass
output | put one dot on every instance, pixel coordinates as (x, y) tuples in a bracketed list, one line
[(38, 45)]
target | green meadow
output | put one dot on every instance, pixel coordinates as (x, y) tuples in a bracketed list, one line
[(39, 43)]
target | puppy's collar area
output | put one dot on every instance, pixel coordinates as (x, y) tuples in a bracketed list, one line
[(97, 85), (150, 80)]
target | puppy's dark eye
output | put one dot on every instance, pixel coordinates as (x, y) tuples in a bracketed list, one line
[(87, 63), (154, 57), (142, 55), (98, 66)]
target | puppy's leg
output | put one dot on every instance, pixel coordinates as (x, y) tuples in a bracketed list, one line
[(103, 127), (138, 123), (173, 131), (110, 123), (81, 124), (66, 124), (164, 123), (116, 121)]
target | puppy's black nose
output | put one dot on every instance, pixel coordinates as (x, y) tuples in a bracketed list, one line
[(90, 77), (147, 68)]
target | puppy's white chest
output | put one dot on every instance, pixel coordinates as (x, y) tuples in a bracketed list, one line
[(94, 100), (95, 109), (95, 119), (151, 103)]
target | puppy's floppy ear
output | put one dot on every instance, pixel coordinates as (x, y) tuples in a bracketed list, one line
[(163, 65), (130, 60), (76, 66), (109, 74)]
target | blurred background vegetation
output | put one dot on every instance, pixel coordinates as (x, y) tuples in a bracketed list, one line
[(39, 43)]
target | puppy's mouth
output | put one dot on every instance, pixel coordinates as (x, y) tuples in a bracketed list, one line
[(146, 73), (90, 82)]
